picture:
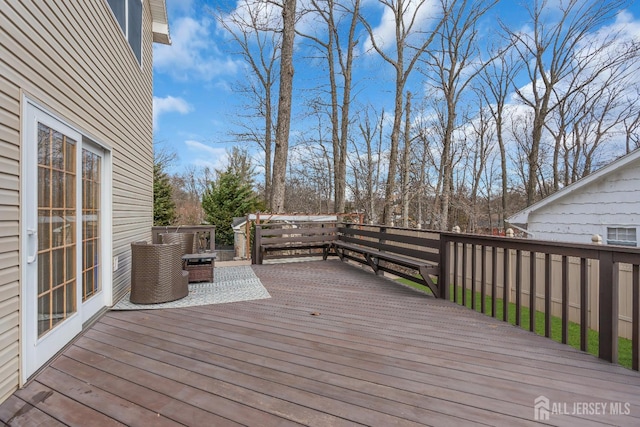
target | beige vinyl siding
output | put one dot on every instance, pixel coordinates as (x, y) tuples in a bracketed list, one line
[(9, 236), (72, 58)]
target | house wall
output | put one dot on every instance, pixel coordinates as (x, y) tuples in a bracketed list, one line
[(612, 201), (72, 58)]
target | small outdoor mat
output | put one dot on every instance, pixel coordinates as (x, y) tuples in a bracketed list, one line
[(230, 284)]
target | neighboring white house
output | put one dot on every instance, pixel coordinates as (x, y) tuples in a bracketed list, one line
[(606, 203), (76, 166)]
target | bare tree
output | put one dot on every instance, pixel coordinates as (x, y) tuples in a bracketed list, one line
[(603, 110), (339, 20), (283, 123), (187, 194), (410, 23), (366, 164), (482, 134), (406, 164), (311, 165), (163, 155), (451, 66), (497, 81), (313, 159), (427, 166), (251, 27), (631, 125), (519, 130), (552, 53)]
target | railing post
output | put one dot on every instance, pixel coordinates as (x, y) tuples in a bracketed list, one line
[(443, 278), (635, 327), (584, 304), (548, 262), (533, 279), (247, 233), (382, 240), (455, 271), (212, 238), (256, 245), (506, 283), (608, 312), (474, 266)]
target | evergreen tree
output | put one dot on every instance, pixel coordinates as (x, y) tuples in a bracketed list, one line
[(164, 208), (228, 197)]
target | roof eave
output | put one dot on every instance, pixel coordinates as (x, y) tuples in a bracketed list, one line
[(160, 21)]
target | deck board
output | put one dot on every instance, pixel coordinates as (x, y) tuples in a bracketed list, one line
[(335, 345)]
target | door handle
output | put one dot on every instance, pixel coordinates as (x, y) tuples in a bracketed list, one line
[(32, 251)]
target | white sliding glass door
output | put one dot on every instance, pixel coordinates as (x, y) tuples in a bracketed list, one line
[(63, 255)]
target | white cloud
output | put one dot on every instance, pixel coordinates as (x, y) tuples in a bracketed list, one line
[(168, 104), (253, 13), (193, 53), (206, 155), (385, 33)]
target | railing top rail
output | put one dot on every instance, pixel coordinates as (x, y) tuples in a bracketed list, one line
[(389, 227), (282, 223), (583, 250), (182, 227)]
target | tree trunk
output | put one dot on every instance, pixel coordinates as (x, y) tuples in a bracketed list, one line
[(341, 174), (447, 166), (503, 172), (406, 163), (532, 159), (389, 193), (284, 107), (268, 122)]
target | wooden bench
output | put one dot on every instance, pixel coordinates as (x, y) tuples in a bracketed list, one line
[(412, 249), (270, 238), (410, 254)]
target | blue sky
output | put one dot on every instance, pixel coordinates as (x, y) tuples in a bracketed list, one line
[(194, 101)]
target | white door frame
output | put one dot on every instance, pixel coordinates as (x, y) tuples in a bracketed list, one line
[(104, 296), (35, 351)]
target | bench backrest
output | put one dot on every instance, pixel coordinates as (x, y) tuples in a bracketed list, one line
[(282, 235), (417, 244), (421, 245), (297, 233)]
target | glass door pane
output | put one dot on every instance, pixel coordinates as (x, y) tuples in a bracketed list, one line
[(91, 194), (57, 279)]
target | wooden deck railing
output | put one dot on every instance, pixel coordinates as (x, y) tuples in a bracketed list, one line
[(578, 283), (411, 254), (284, 239), (508, 269)]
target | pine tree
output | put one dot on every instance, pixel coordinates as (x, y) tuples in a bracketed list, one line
[(228, 197), (164, 208)]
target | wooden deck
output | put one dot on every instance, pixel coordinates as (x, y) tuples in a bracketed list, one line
[(335, 345)]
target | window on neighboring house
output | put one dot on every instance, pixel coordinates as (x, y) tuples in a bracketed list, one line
[(621, 236), (128, 13)]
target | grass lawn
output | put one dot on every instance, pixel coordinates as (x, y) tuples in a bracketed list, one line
[(624, 345)]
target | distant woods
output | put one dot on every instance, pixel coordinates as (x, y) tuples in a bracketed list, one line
[(443, 115)]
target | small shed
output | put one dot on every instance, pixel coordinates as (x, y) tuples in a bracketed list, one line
[(606, 202)]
